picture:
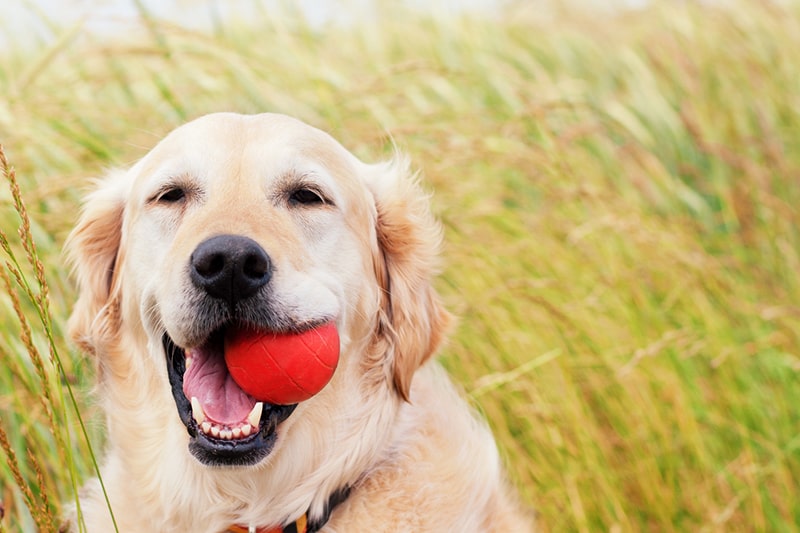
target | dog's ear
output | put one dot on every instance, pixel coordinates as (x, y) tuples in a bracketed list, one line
[(414, 322), (92, 250)]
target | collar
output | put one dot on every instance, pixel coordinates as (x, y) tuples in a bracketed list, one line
[(298, 526), (302, 524)]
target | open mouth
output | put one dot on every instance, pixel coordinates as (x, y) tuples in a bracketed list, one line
[(226, 425)]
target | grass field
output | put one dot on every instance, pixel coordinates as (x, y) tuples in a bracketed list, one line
[(621, 198)]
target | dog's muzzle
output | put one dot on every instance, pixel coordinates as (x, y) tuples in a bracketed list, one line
[(226, 425)]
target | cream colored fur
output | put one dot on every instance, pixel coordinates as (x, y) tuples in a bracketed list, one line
[(390, 424)]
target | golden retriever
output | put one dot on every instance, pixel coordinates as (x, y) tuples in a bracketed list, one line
[(387, 445)]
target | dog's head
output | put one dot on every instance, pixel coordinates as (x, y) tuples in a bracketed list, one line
[(258, 221)]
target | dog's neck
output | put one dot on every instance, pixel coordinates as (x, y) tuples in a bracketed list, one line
[(302, 524)]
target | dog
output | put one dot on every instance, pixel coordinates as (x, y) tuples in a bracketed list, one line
[(265, 221)]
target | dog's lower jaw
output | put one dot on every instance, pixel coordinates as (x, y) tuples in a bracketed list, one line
[(208, 449), (248, 451)]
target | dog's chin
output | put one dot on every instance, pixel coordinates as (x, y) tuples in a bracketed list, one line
[(222, 449)]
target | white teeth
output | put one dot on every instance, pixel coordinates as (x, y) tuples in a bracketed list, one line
[(197, 411), (227, 432), (189, 361), (255, 415)]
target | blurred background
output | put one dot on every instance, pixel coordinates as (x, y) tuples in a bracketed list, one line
[(619, 185), (33, 20)]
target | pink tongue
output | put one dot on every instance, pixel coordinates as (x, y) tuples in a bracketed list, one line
[(209, 381)]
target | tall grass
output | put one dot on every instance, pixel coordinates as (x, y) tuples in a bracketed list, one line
[(620, 194)]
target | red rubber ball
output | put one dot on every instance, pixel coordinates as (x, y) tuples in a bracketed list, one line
[(282, 368)]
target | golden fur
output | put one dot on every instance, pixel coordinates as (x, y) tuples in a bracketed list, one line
[(389, 424)]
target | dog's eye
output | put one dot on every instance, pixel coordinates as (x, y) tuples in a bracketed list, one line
[(306, 197), (171, 196)]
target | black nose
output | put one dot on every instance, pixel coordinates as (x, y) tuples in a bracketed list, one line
[(230, 267)]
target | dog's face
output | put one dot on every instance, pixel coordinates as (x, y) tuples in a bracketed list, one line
[(257, 221)]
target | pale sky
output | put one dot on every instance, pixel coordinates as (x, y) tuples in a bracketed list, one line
[(21, 21)]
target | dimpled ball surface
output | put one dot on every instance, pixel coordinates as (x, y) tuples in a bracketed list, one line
[(282, 368)]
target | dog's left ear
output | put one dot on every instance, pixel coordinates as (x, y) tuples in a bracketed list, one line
[(414, 320), (93, 250)]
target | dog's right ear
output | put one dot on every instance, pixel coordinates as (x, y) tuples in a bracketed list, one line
[(413, 319), (93, 251)]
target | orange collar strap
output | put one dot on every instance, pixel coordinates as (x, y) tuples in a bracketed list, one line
[(301, 525), (298, 526)]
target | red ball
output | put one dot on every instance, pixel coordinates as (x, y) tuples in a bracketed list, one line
[(282, 368)]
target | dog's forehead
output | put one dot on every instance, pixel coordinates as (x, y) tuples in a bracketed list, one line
[(265, 145), (233, 129)]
